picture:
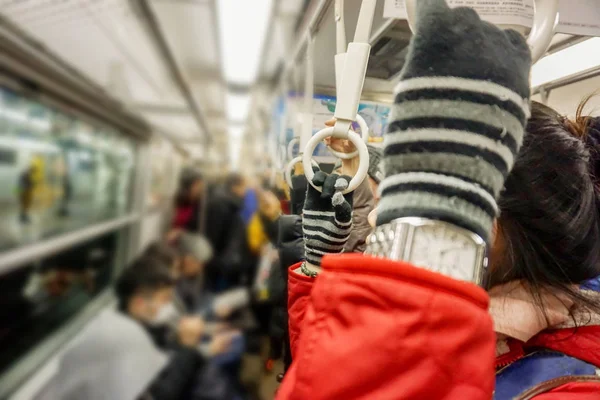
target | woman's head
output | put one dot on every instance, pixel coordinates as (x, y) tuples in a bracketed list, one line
[(190, 188), (548, 232)]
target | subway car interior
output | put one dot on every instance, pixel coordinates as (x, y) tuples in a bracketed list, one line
[(173, 173)]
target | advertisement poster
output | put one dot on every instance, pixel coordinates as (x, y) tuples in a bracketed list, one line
[(376, 116), (576, 17)]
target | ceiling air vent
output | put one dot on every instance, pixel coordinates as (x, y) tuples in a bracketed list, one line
[(389, 46)]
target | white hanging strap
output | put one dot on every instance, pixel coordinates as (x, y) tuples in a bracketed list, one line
[(284, 120), (351, 68), (355, 68), (341, 44), (307, 114)]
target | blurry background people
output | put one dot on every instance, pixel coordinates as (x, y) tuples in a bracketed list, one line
[(113, 358), (189, 201), (194, 253), (166, 254), (26, 191), (232, 264), (143, 291), (67, 191), (250, 202)]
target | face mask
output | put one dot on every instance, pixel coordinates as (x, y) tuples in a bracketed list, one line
[(167, 314)]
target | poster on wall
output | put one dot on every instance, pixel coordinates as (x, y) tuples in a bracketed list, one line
[(376, 116), (580, 17)]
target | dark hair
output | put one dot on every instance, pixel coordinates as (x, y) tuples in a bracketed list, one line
[(233, 180), (549, 209), (145, 274), (162, 252), (186, 180)]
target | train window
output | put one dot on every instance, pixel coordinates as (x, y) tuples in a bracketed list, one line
[(164, 172), (40, 298), (8, 156), (64, 173)]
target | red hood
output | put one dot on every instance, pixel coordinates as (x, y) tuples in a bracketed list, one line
[(582, 343)]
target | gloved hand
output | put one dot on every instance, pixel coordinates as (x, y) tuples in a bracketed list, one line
[(326, 217), (458, 122)]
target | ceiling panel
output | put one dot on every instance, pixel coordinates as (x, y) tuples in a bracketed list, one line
[(100, 38), (180, 127), (190, 31), (210, 93), (290, 6)]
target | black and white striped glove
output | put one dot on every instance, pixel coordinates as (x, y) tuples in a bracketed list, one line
[(326, 217), (458, 119)]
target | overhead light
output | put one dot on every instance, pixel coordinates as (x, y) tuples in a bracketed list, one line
[(567, 62), (235, 149), (235, 133), (242, 29), (237, 107)]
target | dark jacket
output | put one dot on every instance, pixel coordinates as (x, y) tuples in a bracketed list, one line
[(177, 379), (188, 376), (225, 230), (290, 244), (189, 292)]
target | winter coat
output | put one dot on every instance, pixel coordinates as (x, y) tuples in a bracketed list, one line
[(402, 332)]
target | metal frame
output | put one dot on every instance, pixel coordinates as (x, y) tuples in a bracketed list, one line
[(582, 76), (153, 26), (28, 61), (20, 256)]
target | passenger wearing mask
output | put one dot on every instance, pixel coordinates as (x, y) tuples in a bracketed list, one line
[(144, 291), (418, 324), (231, 264)]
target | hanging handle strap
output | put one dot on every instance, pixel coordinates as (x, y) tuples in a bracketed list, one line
[(353, 74), (307, 114)]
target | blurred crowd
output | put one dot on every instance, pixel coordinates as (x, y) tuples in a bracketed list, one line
[(211, 292)]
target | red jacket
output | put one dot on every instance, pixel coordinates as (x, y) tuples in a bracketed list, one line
[(378, 329)]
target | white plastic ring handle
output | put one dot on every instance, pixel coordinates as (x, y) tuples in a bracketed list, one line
[(544, 20), (290, 147), (288, 169), (363, 157), (364, 131)]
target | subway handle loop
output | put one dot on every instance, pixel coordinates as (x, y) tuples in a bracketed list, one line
[(364, 131), (290, 147), (363, 156), (545, 18), (290, 166)]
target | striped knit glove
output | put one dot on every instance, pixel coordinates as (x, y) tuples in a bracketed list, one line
[(327, 217), (458, 119)]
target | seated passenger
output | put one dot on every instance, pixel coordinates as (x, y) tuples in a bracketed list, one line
[(166, 254), (411, 323), (142, 291), (194, 252)]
